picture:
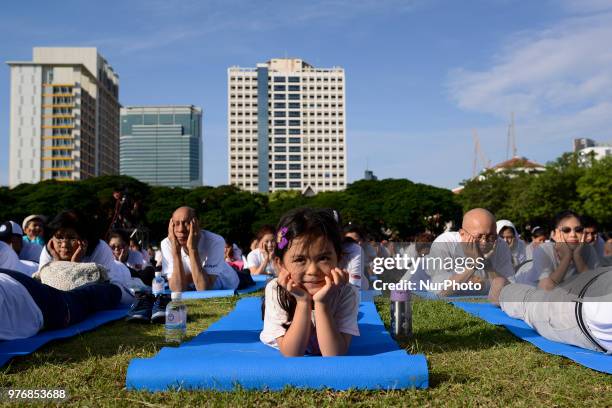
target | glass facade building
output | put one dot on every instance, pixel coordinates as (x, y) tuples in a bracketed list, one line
[(162, 145)]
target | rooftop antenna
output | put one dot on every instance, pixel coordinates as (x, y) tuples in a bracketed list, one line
[(511, 139)]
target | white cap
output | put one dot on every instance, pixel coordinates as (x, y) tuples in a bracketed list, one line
[(157, 274), (176, 295), (16, 228)]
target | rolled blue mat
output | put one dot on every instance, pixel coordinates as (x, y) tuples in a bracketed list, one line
[(208, 294), (492, 314), (230, 353)]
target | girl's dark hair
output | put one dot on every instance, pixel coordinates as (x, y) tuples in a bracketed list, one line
[(309, 224), (121, 234), (564, 215), (538, 232), (75, 220), (264, 230)]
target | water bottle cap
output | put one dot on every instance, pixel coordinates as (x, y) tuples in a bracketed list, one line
[(400, 295), (176, 295), (157, 274)]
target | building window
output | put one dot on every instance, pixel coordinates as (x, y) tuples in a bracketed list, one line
[(293, 88), (279, 87), (294, 123), (294, 157), (280, 157), (294, 131), (295, 175), (278, 131), (280, 184), (279, 79), (280, 175), (280, 166), (294, 166), (294, 140), (280, 140), (294, 114), (293, 105), (294, 149), (279, 114), (293, 97), (280, 96), (280, 123), (293, 79), (279, 105), (280, 149)]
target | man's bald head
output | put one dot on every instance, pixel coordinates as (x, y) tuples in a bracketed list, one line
[(479, 221), (184, 213)]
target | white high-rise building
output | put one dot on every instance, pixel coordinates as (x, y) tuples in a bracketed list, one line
[(64, 116), (287, 127)]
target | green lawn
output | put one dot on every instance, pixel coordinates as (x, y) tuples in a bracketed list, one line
[(470, 362)]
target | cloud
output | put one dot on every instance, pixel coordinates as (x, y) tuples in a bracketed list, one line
[(567, 67)]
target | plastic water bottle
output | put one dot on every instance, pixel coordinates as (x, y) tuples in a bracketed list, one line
[(401, 313), (157, 284), (176, 318)]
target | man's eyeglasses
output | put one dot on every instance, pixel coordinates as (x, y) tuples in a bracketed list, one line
[(567, 230), (490, 238)]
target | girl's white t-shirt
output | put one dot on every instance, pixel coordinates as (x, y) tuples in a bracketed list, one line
[(343, 307), (256, 258)]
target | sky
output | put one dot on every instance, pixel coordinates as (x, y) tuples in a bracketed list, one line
[(420, 74)]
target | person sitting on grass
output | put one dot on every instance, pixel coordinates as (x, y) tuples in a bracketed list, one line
[(34, 229), (193, 258), (28, 306), (507, 231), (259, 261), (592, 236), (476, 251), (539, 235), (138, 268), (577, 312), (568, 255), (309, 308), (71, 238), (16, 254)]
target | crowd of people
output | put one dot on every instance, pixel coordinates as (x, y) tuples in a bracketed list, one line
[(55, 272)]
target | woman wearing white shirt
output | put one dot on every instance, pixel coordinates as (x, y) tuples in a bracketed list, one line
[(259, 261), (70, 240), (555, 262)]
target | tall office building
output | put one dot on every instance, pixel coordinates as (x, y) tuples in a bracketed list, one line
[(162, 145), (286, 127), (64, 116)]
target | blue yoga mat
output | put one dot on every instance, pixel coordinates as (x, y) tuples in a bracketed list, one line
[(22, 347), (494, 315), (207, 294), (230, 353)]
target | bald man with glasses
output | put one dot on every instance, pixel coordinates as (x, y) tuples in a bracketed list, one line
[(473, 254)]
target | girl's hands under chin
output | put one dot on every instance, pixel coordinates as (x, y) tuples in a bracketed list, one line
[(336, 279), (297, 290)]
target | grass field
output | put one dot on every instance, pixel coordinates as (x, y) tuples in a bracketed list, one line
[(470, 362)]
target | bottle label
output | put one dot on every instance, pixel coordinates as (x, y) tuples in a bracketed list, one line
[(157, 287)]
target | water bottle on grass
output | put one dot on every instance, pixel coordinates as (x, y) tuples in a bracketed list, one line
[(158, 284), (176, 319), (401, 314)]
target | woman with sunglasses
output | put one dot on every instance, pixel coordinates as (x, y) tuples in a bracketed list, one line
[(567, 255)]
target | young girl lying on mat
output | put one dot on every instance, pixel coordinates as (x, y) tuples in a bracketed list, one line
[(310, 308)]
